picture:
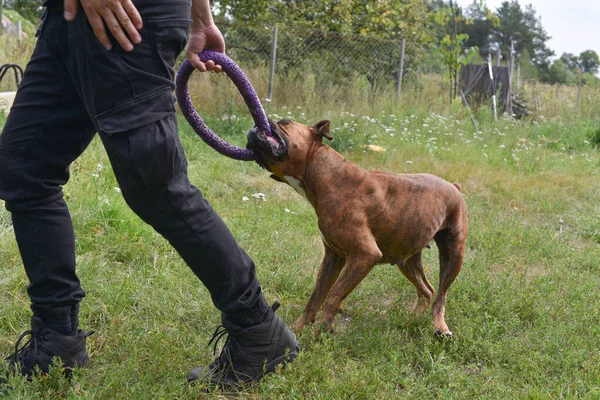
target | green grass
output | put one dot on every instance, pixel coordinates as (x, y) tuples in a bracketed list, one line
[(525, 308)]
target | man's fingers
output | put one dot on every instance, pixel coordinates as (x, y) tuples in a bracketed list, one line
[(98, 27), (127, 24), (133, 13), (196, 62), (201, 66), (210, 65), (70, 9), (117, 31)]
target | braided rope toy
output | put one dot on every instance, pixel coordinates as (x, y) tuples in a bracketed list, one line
[(244, 87)]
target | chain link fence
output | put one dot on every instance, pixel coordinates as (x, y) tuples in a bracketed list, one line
[(303, 63)]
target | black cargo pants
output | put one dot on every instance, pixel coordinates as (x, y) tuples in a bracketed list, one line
[(72, 88)]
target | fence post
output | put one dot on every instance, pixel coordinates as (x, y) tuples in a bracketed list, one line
[(518, 77), (579, 86), (400, 69), (491, 71), (19, 32), (1, 24), (273, 59), (511, 63)]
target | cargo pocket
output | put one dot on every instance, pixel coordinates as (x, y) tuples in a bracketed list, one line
[(141, 141), (137, 112), (116, 77)]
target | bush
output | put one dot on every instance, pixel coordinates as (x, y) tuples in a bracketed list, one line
[(594, 137)]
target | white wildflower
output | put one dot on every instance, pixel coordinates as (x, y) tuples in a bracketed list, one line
[(259, 196)]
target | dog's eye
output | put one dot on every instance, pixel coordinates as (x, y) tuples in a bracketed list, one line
[(285, 122)]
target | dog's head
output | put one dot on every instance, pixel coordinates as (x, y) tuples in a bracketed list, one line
[(288, 150)]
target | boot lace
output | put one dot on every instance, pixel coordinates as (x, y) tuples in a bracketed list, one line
[(31, 347), (232, 349)]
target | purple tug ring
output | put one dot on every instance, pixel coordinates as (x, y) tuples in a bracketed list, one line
[(244, 87)]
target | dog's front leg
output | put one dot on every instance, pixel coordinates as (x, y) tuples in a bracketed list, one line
[(356, 268), (331, 266)]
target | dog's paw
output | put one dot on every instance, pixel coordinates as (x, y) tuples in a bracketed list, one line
[(324, 328), (444, 334)]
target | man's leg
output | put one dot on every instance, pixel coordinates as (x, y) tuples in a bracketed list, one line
[(151, 169), (46, 130), (129, 95)]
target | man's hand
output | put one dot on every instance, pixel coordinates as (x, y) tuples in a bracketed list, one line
[(206, 38), (120, 16)]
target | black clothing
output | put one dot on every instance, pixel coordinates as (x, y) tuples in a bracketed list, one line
[(72, 88)]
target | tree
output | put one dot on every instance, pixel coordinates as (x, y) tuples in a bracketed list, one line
[(491, 31), (452, 45), (398, 19), (523, 26), (571, 60), (479, 23), (589, 61), (335, 32), (560, 73)]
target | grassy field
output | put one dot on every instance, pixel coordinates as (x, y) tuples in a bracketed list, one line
[(525, 309)]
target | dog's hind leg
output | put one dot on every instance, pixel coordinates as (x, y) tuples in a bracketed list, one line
[(412, 269), (328, 273), (451, 245)]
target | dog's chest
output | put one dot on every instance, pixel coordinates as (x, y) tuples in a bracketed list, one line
[(295, 183)]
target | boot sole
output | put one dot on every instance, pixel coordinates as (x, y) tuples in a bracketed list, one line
[(269, 368)]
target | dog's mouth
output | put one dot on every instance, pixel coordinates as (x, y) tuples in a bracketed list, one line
[(265, 146)]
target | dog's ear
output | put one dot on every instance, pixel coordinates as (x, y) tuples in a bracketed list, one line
[(322, 129)]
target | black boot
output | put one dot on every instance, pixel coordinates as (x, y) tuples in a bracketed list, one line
[(45, 344), (249, 353)]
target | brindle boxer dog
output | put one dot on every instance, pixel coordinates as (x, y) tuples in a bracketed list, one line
[(366, 218)]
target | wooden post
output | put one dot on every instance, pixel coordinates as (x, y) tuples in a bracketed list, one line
[(511, 60), (273, 59), (533, 94), (498, 57), (491, 71), (400, 69), (518, 77), (451, 85), (19, 32), (466, 104), (1, 13), (580, 84)]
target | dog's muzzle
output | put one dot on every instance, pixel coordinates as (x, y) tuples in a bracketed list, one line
[(265, 146)]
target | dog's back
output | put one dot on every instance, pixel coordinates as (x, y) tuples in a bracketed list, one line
[(406, 211)]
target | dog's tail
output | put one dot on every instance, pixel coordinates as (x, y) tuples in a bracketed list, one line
[(458, 187)]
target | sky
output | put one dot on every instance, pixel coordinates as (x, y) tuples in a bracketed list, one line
[(574, 25)]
